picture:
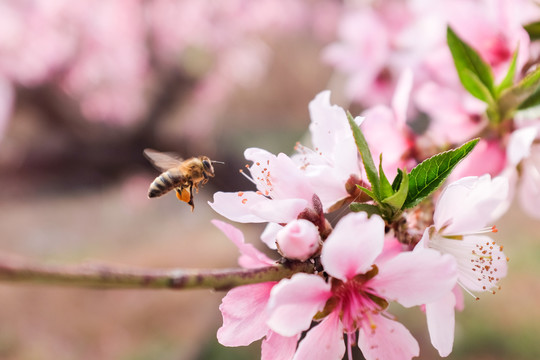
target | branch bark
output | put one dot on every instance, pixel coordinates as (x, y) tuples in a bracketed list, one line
[(114, 277)]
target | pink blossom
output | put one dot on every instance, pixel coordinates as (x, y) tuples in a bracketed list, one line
[(488, 157), (244, 307), (386, 130), (298, 240), (462, 212), (334, 157), (36, 39), (282, 192), (524, 150), (357, 294)]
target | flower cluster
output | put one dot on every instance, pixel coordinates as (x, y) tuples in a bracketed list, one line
[(378, 41), (362, 262)]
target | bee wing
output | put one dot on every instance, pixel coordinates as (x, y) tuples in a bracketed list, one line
[(162, 161)]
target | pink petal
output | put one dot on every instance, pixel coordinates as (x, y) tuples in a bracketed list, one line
[(460, 301), (441, 323), (278, 176), (288, 181), (244, 315), (389, 340), (279, 211), (238, 206), (415, 278), (400, 101), (251, 257), (294, 302), (353, 245), (324, 341), (385, 136), (529, 189), (277, 347)]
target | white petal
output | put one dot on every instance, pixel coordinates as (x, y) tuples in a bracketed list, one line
[(238, 206), (519, 144), (469, 204), (441, 323)]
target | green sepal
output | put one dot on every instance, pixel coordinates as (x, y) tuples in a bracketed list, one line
[(520, 96), (368, 208), (508, 80), (386, 187), (367, 159), (397, 200)]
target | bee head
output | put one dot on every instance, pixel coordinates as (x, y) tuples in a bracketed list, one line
[(207, 166)]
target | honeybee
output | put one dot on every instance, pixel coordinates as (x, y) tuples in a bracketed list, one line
[(181, 175)]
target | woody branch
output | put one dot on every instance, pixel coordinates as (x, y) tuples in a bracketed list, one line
[(108, 277)]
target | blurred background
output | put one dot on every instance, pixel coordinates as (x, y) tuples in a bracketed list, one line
[(85, 86)]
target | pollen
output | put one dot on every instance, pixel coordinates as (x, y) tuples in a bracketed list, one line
[(240, 193), (244, 201), (494, 229)]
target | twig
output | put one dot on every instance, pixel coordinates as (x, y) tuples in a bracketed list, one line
[(108, 277)]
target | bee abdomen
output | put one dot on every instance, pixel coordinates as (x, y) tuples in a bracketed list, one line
[(165, 182)]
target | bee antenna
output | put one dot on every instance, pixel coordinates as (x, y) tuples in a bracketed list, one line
[(217, 162)]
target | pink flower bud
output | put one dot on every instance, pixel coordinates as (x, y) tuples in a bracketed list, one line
[(298, 240)]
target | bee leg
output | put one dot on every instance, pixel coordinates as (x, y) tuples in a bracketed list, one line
[(183, 195), (190, 202)]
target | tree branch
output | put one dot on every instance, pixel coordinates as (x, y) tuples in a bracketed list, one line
[(105, 276)]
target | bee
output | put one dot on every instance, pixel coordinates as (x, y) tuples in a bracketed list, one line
[(181, 175)]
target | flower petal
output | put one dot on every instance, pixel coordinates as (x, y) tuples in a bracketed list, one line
[(353, 245), (415, 278), (251, 257), (279, 211), (238, 206), (482, 195), (244, 315), (277, 347), (441, 323), (293, 303), (269, 234), (519, 144), (529, 189), (388, 340), (324, 341)]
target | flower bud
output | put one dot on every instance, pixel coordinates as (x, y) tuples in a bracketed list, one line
[(298, 240)]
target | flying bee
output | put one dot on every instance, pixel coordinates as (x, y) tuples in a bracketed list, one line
[(181, 175)]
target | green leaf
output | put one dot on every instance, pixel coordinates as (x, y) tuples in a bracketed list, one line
[(367, 159), (531, 101), (397, 200), (533, 29), (397, 180), (368, 208), (521, 95), (386, 187), (427, 176), (468, 62), (508, 80)]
